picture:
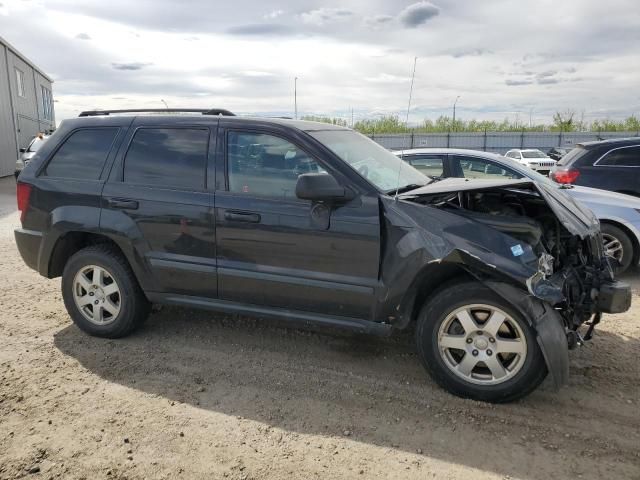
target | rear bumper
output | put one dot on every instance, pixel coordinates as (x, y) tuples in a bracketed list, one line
[(614, 297), (29, 243)]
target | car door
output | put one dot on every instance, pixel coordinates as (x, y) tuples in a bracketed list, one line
[(276, 250), (157, 200)]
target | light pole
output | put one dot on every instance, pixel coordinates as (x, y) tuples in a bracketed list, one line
[(454, 112), (295, 96), (165, 104), (530, 117)]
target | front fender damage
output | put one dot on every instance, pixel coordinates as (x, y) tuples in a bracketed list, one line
[(548, 325), (535, 307)]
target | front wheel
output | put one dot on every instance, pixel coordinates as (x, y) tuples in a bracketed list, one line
[(476, 345), (617, 244)]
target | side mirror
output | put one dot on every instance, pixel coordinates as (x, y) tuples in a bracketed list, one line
[(321, 187), (22, 150)]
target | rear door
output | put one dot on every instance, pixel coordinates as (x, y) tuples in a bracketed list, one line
[(157, 199)]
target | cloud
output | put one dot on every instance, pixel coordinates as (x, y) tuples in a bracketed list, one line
[(515, 83), (473, 52), (83, 36), (259, 29), (546, 74), (129, 66), (323, 16), (273, 14), (417, 14), (378, 20), (547, 81)]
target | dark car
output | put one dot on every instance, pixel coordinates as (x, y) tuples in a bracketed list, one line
[(608, 164), (317, 225), (557, 152)]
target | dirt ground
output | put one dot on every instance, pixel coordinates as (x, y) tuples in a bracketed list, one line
[(199, 395)]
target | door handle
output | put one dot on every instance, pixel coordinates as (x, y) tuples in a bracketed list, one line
[(242, 217), (123, 203)]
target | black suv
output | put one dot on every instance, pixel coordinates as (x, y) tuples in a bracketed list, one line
[(608, 164), (318, 225)]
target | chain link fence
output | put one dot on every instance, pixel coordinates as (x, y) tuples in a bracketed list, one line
[(498, 142)]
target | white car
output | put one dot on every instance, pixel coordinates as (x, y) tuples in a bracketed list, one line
[(533, 158), (27, 153)]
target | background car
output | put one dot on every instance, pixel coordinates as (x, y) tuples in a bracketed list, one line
[(619, 214), (556, 153), (533, 158), (27, 153), (609, 164)]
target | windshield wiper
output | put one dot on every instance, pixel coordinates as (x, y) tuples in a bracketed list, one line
[(405, 188)]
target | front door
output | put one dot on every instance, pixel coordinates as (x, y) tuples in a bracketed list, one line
[(158, 195), (276, 250)]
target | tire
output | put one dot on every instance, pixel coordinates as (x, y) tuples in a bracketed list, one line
[(88, 280), (516, 374), (620, 245)]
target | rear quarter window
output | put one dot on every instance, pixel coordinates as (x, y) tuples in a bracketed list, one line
[(82, 155), (621, 157)]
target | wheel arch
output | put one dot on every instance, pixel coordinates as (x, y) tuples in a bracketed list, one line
[(633, 237), (428, 281), (71, 242)]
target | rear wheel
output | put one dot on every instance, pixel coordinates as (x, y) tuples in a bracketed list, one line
[(476, 345), (618, 245), (101, 293)]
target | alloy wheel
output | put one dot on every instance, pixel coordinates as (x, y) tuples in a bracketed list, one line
[(482, 344), (97, 295), (613, 246)]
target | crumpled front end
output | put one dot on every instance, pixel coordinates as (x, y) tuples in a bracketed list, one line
[(532, 236)]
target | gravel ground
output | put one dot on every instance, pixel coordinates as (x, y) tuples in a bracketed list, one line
[(198, 395)]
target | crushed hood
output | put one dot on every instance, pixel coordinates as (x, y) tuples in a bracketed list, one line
[(576, 218)]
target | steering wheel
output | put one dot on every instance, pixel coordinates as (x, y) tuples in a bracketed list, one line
[(364, 171)]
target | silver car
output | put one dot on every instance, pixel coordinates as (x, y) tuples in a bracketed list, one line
[(27, 153), (619, 214)]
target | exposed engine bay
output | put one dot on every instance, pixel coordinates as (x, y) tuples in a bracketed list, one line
[(573, 274)]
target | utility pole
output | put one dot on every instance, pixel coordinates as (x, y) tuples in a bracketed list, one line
[(295, 96), (454, 112), (530, 117)]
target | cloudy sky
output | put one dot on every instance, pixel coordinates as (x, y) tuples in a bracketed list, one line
[(503, 58)]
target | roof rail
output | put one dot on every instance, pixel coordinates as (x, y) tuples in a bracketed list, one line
[(203, 111)]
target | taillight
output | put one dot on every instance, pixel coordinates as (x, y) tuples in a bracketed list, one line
[(565, 176), (23, 192)]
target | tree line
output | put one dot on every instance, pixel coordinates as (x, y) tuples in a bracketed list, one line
[(562, 122)]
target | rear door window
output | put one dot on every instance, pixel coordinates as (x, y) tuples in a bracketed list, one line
[(622, 157), (432, 165), (474, 167), (168, 157), (82, 155)]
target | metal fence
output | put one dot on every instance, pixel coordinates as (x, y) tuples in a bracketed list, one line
[(498, 142)]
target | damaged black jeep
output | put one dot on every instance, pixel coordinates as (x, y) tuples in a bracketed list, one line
[(316, 225)]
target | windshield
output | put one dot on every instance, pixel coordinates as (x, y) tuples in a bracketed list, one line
[(533, 154), (370, 160)]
